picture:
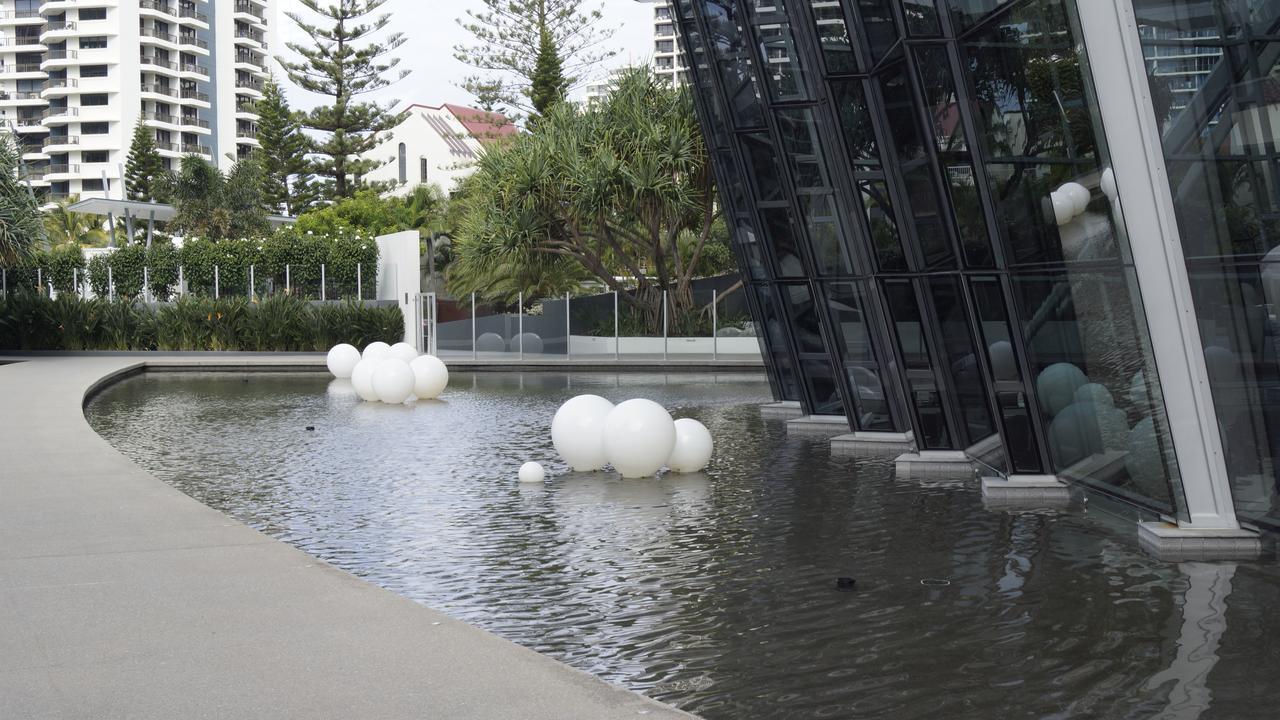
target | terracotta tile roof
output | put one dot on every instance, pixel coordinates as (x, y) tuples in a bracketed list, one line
[(484, 126)]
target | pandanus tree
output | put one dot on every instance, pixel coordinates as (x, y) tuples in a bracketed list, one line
[(21, 229), (620, 193)]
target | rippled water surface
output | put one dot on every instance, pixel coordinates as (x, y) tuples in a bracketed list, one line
[(716, 592)]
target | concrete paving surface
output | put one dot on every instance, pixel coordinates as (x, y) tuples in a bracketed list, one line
[(120, 597)]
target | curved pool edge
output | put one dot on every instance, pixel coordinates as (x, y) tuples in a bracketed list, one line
[(128, 599)]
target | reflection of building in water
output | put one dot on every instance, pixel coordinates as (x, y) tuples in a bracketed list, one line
[(1204, 620), (925, 199)]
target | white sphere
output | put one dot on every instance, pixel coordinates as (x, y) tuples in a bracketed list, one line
[(1064, 208), (530, 343), (638, 438), (376, 351), (577, 432), (430, 376), (392, 381), (1108, 184), (693, 447), (404, 351), (362, 379), (1079, 195), (491, 342), (342, 360), (532, 472)]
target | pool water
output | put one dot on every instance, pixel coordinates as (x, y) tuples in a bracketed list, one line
[(716, 592)]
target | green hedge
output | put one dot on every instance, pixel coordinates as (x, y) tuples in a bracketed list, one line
[(29, 321)]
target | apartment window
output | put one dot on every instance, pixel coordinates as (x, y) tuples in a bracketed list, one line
[(95, 156), (403, 164), (423, 167), (92, 185), (95, 128), (663, 46), (93, 71), (93, 43), (94, 100), (93, 14)]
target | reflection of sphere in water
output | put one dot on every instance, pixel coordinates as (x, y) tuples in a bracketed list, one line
[(1064, 208), (341, 388), (532, 472), (1057, 385), (491, 342), (530, 342), (638, 438), (362, 379), (1145, 466), (376, 350), (404, 351), (1079, 195), (693, 447), (1097, 394), (430, 376), (1003, 362), (393, 381), (342, 359), (577, 432)]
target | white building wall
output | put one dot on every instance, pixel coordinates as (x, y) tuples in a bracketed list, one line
[(446, 161)]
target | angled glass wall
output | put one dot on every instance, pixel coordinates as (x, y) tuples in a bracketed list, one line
[(1212, 68), (899, 169)]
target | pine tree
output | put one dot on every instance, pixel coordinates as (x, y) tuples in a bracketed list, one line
[(548, 86), (509, 41), (343, 62), (145, 177), (282, 157)]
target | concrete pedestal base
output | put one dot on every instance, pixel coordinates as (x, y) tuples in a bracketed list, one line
[(1024, 492), (818, 425), (1170, 542), (785, 410), (934, 465), (872, 443)]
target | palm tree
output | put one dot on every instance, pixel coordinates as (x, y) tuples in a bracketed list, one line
[(64, 226), (20, 227)]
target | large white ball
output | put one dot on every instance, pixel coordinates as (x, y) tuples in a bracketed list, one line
[(362, 379), (693, 447), (1108, 184), (577, 432), (377, 350), (1079, 195), (392, 381), (638, 438), (404, 351), (1064, 208), (491, 342), (430, 376), (342, 360), (532, 472)]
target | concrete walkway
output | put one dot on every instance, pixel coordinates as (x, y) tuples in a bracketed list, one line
[(120, 597)]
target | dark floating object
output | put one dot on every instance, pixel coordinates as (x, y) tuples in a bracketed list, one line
[(846, 584), (311, 427)]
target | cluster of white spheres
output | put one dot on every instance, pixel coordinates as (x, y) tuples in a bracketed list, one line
[(1069, 202), (392, 374), (636, 437)]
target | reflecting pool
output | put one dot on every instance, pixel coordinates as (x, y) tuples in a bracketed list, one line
[(716, 592)]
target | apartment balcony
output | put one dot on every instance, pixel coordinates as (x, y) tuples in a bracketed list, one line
[(21, 44), (59, 87), (29, 125), (246, 110), (60, 143), (249, 86), (248, 12), (197, 149), (189, 15), (191, 43), (12, 98), (34, 154), (55, 59), (58, 6), (195, 97), (23, 71), (57, 31), (156, 91), (251, 38), (63, 171), (249, 62), (177, 123), (193, 71), (56, 116), (158, 9), (151, 36), (20, 17)]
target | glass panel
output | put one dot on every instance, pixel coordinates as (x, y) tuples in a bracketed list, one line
[(762, 164), (802, 148), (733, 57), (783, 71), (780, 232), (823, 388), (922, 17), (1021, 445), (845, 305), (1096, 383), (882, 31), (826, 242), (939, 89), (921, 385), (855, 123), (833, 36), (748, 246), (775, 333), (961, 358), (804, 316), (883, 225), (970, 218)]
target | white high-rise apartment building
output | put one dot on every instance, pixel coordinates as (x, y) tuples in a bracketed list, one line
[(77, 76), (668, 59)]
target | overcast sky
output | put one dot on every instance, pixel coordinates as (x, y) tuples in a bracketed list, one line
[(431, 30)]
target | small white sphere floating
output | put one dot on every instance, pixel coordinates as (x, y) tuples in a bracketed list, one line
[(577, 432), (430, 376), (639, 436), (392, 381), (377, 350), (1079, 195), (342, 359), (692, 451), (362, 379), (532, 472), (404, 351)]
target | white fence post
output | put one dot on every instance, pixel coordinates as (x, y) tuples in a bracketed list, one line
[(715, 327)]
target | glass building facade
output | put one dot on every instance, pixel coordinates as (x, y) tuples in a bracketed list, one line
[(930, 220)]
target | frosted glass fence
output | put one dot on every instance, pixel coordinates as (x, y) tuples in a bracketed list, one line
[(705, 326), (310, 282)]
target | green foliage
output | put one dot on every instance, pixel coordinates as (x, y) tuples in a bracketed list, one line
[(162, 264), (282, 157), (63, 266), (548, 87), (212, 206), (509, 40), (29, 321), (342, 61), (145, 177), (99, 279), (21, 225), (64, 227), (623, 189)]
